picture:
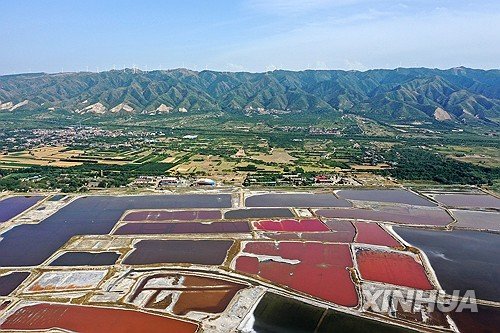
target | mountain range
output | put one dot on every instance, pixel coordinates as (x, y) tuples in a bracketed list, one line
[(456, 94)]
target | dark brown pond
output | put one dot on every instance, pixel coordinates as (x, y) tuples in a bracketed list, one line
[(186, 293), (486, 320), (9, 282), (86, 259), (278, 314), (203, 252), (4, 305)]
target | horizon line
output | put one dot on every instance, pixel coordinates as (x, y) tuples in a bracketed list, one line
[(136, 69)]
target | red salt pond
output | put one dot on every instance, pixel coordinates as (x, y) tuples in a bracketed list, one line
[(291, 225), (317, 269), (397, 214), (392, 267), (372, 233), (91, 319), (342, 232), (339, 232), (4, 305), (185, 293), (330, 237), (177, 215), (182, 228)]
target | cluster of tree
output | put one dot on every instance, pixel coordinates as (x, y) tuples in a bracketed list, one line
[(75, 179), (421, 164)]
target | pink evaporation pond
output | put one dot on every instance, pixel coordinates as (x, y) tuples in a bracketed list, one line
[(91, 319), (182, 228), (393, 268), (472, 219), (462, 200), (390, 195), (308, 225), (397, 214), (177, 215), (372, 233), (339, 231), (317, 269), (330, 237)]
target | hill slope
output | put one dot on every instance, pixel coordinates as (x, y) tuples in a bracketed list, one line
[(400, 94)]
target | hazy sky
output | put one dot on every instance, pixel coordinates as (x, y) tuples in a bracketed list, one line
[(247, 35)]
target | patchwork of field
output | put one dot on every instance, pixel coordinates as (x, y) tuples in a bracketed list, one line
[(47, 156), (485, 156), (280, 156), (60, 156), (244, 261), (217, 167)]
